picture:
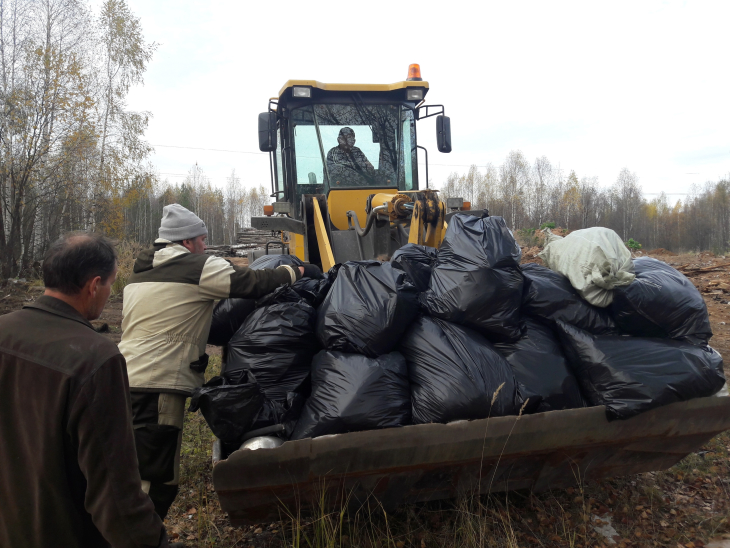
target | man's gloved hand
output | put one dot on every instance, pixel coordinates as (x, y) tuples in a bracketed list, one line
[(311, 271)]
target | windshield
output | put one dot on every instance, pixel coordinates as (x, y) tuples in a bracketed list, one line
[(355, 145)]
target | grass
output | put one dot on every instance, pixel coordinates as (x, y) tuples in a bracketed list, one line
[(127, 252), (683, 506), (529, 237)]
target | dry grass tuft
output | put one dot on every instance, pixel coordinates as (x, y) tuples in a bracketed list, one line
[(127, 252)]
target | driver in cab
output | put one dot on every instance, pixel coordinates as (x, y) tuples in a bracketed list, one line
[(346, 164)]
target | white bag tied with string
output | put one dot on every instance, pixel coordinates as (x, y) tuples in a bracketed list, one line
[(595, 260)]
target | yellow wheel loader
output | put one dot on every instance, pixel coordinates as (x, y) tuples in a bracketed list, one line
[(348, 187), (345, 171)]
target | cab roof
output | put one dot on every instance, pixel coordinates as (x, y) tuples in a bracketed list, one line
[(355, 87)]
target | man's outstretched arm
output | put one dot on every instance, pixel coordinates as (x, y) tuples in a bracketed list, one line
[(220, 280)]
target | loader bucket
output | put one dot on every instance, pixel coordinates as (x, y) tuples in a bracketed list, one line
[(438, 461)]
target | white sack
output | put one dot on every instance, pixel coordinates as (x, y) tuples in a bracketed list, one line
[(595, 260)]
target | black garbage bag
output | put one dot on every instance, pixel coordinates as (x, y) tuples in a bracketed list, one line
[(548, 295), (477, 281), (417, 261), (351, 392), (455, 373), (276, 343), (311, 290), (314, 290), (540, 367), (281, 295), (228, 317), (367, 309), (229, 409), (272, 261), (229, 314), (285, 412), (661, 302), (630, 375)]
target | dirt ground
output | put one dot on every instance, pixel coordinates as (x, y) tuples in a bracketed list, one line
[(687, 506)]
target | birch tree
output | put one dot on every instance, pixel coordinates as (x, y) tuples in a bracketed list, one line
[(627, 193)]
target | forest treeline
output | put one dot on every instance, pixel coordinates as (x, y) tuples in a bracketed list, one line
[(224, 211), (532, 195), (69, 147), (73, 155)]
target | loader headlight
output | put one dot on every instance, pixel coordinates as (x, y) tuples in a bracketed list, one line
[(301, 92), (414, 95)]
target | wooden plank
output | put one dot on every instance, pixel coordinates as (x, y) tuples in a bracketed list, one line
[(699, 270)]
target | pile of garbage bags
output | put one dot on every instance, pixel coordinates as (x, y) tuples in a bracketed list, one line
[(460, 333)]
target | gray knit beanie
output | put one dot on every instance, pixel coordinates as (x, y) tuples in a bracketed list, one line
[(179, 223)]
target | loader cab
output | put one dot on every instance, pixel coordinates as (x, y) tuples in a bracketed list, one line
[(339, 140), (338, 145)]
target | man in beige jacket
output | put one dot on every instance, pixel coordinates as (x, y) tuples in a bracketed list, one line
[(168, 306)]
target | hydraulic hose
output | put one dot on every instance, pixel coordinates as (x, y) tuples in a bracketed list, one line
[(351, 215)]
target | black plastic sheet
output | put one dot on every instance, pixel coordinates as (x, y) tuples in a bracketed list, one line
[(351, 392), (276, 343), (630, 375), (228, 317), (477, 281), (417, 261), (273, 261), (455, 373), (541, 369), (228, 409), (367, 309), (549, 296), (661, 302)]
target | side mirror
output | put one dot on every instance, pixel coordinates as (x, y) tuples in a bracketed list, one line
[(267, 131), (443, 133)]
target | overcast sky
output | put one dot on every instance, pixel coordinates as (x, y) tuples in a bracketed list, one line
[(593, 86)]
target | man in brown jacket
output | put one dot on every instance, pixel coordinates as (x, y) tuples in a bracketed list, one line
[(69, 470)]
